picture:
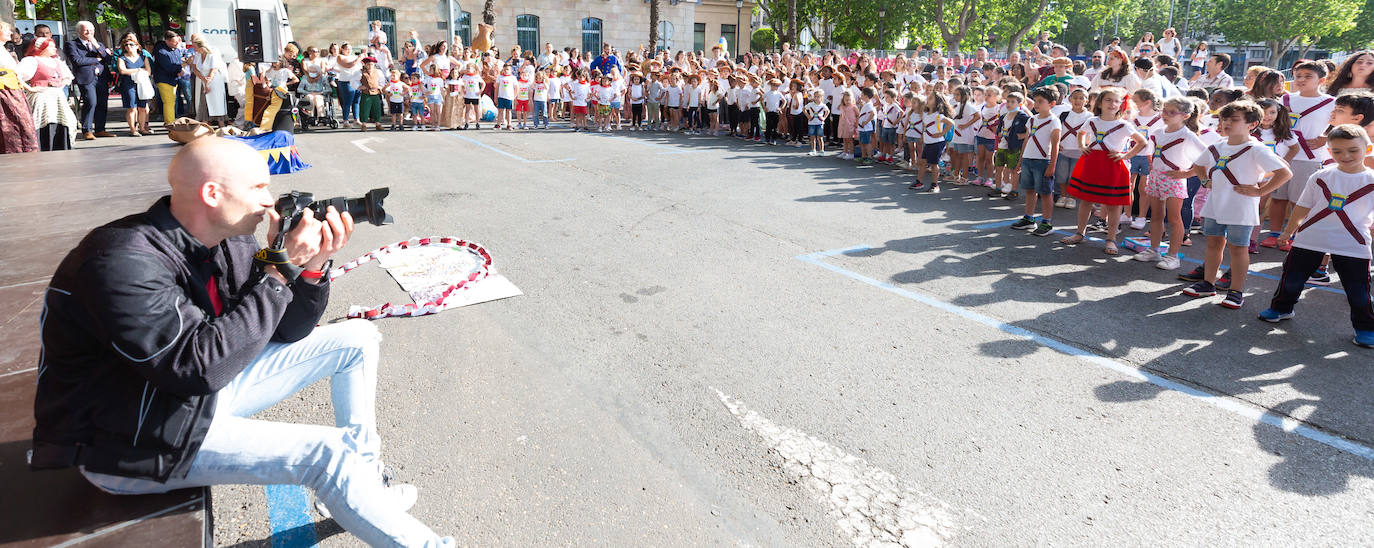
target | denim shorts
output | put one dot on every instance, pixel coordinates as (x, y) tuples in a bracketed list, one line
[(865, 137), (888, 135), (961, 148), (417, 109), (1063, 169), (1033, 177), (505, 104), (987, 143), (815, 130), (1140, 165), (1238, 235), (615, 105)]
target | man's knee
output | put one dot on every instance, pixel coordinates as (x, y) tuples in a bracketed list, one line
[(357, 333)]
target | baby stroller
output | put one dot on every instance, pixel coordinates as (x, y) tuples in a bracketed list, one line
[(310, 118)]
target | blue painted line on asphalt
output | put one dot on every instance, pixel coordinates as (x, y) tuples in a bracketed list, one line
[(1286, 424), (288, 513), (506, 154), (988, 226), (671, 150)]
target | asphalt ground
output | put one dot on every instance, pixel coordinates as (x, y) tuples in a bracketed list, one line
[(687, 367)]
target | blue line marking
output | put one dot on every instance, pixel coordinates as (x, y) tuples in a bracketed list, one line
[(993, 225), (506, 154), (671, 150), (1221, 402), (288, 513)]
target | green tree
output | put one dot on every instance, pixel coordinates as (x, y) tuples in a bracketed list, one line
[(764, 39), (1358, 38), (1281, 24)]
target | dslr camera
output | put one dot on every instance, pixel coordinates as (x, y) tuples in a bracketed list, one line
[(292, 205)]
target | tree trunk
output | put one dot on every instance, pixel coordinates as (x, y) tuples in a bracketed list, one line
[(967, 14), (1306, 47), (1021, 34), (489, 13), (7, 11), (1276, 50), (792, 33), (653, 26)]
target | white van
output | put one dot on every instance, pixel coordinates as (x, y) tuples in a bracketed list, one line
[(223, 22)]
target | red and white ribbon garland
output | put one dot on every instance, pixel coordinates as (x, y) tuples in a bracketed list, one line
[(416, 309)]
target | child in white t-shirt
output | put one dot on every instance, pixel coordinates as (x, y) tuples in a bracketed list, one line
[(1175, 147), (397, 92), (472, 85), (816, 114), (1334, 215), (1039, 153), (867, 122), (540, 97), (1235, 168)]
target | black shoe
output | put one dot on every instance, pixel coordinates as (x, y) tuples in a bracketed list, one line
[(1234, 300), (1099, 226), (995, 193), (1320, 277), (1024, 223), (1224, 282), (1044, 229), (1194, 275), (1200, 289)]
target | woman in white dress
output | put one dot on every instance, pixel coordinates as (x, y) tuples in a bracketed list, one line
[(210, 72), (45, 75), (1118, 73)]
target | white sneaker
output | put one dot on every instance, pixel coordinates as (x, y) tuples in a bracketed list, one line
[(1168, 262), (1070, 203), (812, 153), (1138, 223), (1147, 256), (1060, 202), (403, 496)]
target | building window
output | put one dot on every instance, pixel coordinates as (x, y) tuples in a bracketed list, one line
[(591, 35), (527, 32), (728, 33), (665, 35), (388, 18), (699, 37), (463, 27)]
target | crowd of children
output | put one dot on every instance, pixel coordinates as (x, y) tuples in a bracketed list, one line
[(1220, 161)]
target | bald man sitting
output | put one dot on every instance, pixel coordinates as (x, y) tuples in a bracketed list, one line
[(159, 342)]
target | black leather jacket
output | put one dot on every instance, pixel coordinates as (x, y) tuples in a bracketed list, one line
[(133, 352)]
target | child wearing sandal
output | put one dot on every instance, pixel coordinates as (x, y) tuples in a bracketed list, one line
[(1100, 176)]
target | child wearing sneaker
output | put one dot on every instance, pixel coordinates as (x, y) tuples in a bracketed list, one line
[(1235, 168), (891, 117), (912, 132), (961, 147), (1100, 176), (936, 121), (1176, 147), (848, 123), (865, 124), (1038, 156), (1147, 119), (1070, 122), (1333, 216), (816, 115), (1309, 111), (986, 138), (1011, 133), (1277, 134)]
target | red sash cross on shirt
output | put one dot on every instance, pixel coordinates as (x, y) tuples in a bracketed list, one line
[(1100, 137), (1159, 151), (1221, 163), (1034, 129), (1338, 207), (1297, 117)]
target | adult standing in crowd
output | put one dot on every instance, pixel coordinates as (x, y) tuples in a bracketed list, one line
[(350, 70), (17, 133), (1355, 74), (168, 55), (89, 59), (210, 73), (132, 64), (1169, 43), (45, 76)]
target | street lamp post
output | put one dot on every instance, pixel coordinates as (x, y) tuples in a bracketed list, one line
[(739, 6)]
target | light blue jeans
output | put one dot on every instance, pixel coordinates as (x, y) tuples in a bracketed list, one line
[(340, 464)]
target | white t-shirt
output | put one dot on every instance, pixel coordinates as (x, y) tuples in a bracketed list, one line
[(579, 91), (772, 100), (1311, 115), (795, 104), (816, 113), (965, 136), (1114, 140), (1199, 58), (1170, 46), (934, 128), (672, 96), (1329, 235), (1279, 147), (915, 126), (605, 94), (988, 116), (834, 95), (541, 92), (1071, 124), (1181, 155), (278, 77), (892, 114), (1040, 130), (505, 87), (1224, 205), (747, 98), (472, 86), (1130, 82), (636, 94), (1144, 125), (713, 99), (866, 115)]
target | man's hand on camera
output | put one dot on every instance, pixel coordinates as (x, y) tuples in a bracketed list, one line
[(303, 242), (334, 234)]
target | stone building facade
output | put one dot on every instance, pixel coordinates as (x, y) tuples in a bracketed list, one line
[(684, 24)]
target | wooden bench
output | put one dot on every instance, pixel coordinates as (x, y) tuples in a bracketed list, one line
[(50, 200)]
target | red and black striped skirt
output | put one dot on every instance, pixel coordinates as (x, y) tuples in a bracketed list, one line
[(1099, 179)]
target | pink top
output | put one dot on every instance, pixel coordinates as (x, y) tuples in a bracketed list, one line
[(849, 121)]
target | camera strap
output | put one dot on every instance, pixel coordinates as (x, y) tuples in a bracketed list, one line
[(276, 256)]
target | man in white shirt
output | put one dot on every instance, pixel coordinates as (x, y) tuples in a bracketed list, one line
[(1216, 76)]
